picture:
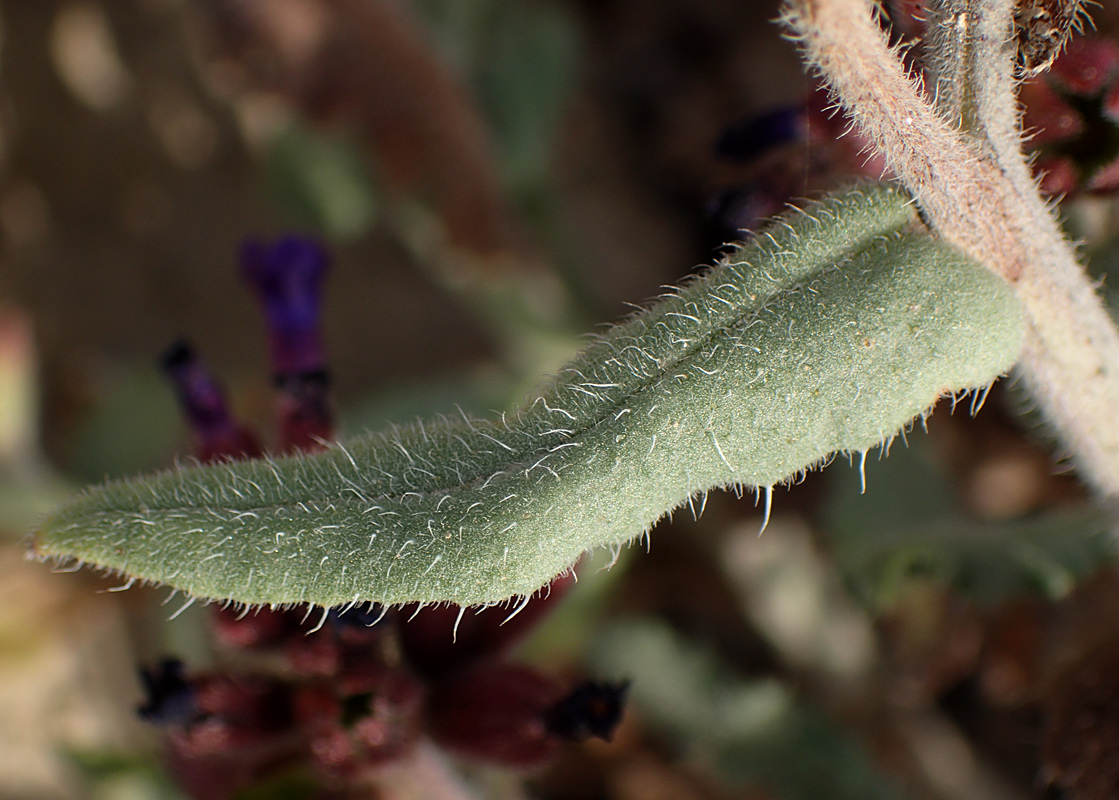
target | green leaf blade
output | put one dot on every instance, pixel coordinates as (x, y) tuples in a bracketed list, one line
[(828, 336)]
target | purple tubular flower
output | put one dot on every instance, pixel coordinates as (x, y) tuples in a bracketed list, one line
[(169, 697), (216, 434), (287, 276)]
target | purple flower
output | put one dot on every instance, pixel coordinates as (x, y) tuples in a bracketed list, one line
[(216, 433), (287, 276)]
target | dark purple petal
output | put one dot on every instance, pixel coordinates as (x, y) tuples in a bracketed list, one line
[(1105, 180), (1087, 67), (359, 619), (358, 724), (216, 434), (495, 713), (1050, 118), (743, 208), (287, 276), (243, 731)]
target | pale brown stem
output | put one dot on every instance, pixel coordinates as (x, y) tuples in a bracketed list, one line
[(951, 181)]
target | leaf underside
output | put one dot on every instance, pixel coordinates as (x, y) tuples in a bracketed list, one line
[(831, 332)]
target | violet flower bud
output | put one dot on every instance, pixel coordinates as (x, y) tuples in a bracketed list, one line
[(287, 276), (217, 435), (303, 404)]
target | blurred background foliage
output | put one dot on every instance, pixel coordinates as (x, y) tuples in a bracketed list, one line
[(495, 178)]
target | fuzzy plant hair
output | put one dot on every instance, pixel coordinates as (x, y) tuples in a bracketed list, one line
[(957, 148), (828, 334), (833, 330)]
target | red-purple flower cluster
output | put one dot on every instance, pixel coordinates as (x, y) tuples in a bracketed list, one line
[(345, 693), (1073, 114)]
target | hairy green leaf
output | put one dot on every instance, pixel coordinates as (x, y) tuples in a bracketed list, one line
[(828, 334)]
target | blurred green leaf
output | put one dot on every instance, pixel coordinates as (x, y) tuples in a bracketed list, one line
[(134, 425), (292, 785), (521, 59), (458, 28), (323, 179), (119, 776), (745, 731), (908, 525), (524, 83), (23, 503)]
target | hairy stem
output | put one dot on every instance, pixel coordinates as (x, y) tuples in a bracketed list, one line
[(954, 185), (974, 187)]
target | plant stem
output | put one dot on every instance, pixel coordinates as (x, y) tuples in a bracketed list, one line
[(953, 184), (975, 188)]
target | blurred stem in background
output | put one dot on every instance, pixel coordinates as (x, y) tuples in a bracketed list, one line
[(28, 485)]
